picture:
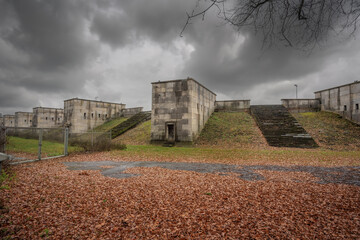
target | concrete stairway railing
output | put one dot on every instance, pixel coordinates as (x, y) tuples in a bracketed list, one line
[(130, 123)]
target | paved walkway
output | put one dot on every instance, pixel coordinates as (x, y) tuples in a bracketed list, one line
[(338, 175)]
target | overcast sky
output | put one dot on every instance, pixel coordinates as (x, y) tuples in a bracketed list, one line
[(113, 50)]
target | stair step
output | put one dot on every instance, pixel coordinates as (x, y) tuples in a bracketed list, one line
[(280, 128)]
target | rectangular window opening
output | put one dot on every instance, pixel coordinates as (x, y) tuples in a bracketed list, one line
[(357, 106), (84, 115), (345, 108)]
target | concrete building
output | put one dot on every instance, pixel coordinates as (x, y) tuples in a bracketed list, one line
[(82, 115), (9, 120), (301, 105), (344, 100), (180, 109), (47, 117), (23, 119)]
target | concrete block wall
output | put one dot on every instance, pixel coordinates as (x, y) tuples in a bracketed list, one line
[(23, 119), (183, 104), (48, 117), (129, 112), (9, 120), (232, 106), (344, 100), (82, 115), (301, 105)]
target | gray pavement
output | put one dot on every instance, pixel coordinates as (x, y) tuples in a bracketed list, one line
[(337, 175)]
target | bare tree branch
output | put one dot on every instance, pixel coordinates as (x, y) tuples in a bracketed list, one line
[(297, 23)]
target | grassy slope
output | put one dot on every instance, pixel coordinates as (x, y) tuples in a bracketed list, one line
[(237, 129), (140, 135), (330, 131), (17, 144), (109, 125)]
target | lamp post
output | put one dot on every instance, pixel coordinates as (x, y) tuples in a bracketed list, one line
[(296, 90)]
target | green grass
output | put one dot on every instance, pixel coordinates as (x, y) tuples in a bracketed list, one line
[(242, 156), (230, 128), (17, 144), (140, 135), (107, 126), (330, 130)]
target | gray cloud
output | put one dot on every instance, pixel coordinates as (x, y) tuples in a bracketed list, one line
[(51, 50)]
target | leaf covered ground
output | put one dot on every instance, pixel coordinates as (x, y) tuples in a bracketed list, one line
[(48, 201)]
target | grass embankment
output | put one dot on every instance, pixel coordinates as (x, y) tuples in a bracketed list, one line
[(330, 130), (139, 135), (107, 126), (22, 145), (237, 129)]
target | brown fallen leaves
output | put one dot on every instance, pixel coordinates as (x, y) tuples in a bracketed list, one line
[(47, 201)]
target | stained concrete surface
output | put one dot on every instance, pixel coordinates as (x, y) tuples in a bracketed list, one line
[(337, 175)]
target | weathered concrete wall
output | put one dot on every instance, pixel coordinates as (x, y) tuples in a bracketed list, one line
[(301, 105), (23, 119), (129, 112), (184, 105), (9, 120), (48, 117), (82, 115), (344, 100), (232, 106)]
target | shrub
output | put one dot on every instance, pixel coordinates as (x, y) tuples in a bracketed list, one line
[(98, 144)]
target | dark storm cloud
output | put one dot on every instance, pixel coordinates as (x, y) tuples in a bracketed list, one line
[(123, 22), (50, 33), (232, 63), (51, 47), (43, 48)]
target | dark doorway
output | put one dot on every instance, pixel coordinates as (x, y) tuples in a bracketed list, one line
[(170, 132)]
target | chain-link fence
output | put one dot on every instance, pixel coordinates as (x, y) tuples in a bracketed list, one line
[(2, 138), (36, 143), (91, 141), (30, 144)]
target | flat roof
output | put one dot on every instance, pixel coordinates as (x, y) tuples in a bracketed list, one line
[(48, 108), (24, 112), (92, 101), (348, 84), (299, 99), (232, 100), (179, 80)]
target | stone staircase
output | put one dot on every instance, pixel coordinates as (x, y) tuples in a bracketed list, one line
[(130, 123), (279, 128)]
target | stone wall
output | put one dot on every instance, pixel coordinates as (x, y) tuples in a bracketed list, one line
[(232, 106), (129, 112), (82, 115), (48, 117), (180, 109), (301, 105), (344, 100), (23, 119), (9, 120)]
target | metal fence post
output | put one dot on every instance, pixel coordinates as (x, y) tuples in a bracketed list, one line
[(66, 141), (40, 143), (92, 138)]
